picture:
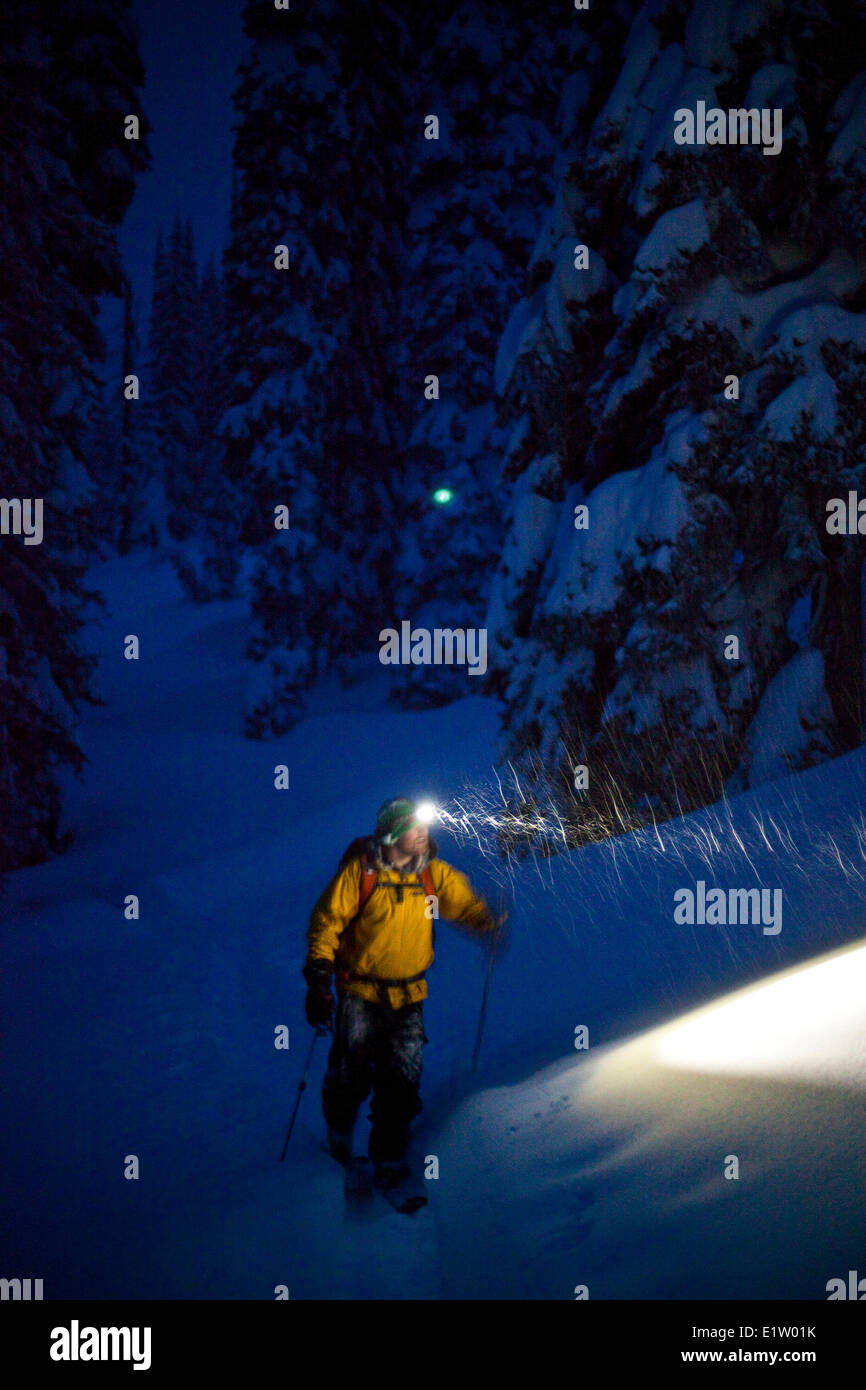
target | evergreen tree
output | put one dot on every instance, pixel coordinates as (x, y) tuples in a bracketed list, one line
[(68, 77), (152, 404), (172, 376), (210, 370), (397, 268), (129, 460), (693, 387), (362, 469), (102, 445), (490, 77), (207, 561), (115, 450), (284, 328)]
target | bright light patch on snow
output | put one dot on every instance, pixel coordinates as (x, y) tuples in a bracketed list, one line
[(805, 1024)]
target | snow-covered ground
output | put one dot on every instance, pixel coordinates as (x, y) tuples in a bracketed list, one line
[(616, 1173), (602, 1167)]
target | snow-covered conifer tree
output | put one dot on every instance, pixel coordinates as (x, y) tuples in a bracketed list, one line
[(69, 76), (483, 153), (207, 561), (172, 376), (362, 468), (671, 610), (284, 269)]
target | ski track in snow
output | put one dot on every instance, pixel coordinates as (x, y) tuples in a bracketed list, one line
[(155, 1037)]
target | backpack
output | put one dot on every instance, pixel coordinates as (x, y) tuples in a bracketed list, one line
[(363, 848)]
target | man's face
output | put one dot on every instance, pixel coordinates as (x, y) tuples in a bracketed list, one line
[(415, 841)]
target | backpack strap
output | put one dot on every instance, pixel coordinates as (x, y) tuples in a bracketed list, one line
[(368, 882)]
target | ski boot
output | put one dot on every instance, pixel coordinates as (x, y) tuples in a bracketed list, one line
[(392, 1181), (340, 1144), (390, 1175)]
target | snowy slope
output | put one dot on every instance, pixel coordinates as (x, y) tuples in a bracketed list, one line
[(155, 1037), (610, 1172)]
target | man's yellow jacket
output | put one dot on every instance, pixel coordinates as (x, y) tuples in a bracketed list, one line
[(393, 937)]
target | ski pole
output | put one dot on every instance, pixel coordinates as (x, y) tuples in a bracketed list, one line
[(301, 1087), (486, 994)]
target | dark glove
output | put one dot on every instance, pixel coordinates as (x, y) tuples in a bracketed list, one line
[(498, 940), (319, 1003)]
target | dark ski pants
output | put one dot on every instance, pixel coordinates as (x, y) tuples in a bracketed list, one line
[(380, 1049)]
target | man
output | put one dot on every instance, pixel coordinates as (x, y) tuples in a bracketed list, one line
[(379, 956)]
